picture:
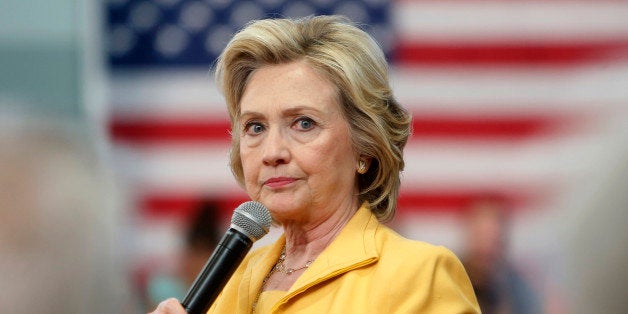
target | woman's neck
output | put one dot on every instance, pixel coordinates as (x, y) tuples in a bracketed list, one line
[(306, 241)]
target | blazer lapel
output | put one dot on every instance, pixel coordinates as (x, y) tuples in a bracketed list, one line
[(259, 266), (354, 247)]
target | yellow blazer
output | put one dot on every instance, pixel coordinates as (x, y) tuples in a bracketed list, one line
[(368, 268)]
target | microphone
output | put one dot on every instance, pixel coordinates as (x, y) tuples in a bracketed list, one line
[(250, 222)]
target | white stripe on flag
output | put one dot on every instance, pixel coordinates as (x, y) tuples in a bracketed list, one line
[(471, 21)]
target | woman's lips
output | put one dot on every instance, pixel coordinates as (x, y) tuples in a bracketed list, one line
[(278, 182)]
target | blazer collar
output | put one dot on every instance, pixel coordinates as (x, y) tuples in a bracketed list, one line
[(354, 247)]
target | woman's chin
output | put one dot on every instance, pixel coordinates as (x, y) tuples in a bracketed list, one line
[(282, 210)]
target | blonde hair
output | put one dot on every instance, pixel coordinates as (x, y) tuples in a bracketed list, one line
[(351, 60)]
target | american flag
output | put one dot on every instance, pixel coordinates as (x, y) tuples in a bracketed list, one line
[(524, 99)]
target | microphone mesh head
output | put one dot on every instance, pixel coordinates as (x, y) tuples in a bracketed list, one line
[(251, 218)]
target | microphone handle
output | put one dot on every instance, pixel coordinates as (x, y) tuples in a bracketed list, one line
[(221, 265)]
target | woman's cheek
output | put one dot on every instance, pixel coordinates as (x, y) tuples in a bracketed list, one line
[(251, 178)]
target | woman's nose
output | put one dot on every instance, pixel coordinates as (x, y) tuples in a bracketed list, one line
[(276, 149)]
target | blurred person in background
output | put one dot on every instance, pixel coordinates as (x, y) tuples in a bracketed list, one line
[(498, 285), (201, 237), (318, 138), (57, 245), (596, 239)]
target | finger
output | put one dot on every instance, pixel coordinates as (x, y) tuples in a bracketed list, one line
[(169, 306)]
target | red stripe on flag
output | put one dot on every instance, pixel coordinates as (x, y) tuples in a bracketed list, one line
[(162, 131), (183, 205), (169, 130), (506, 128), (554, 53)]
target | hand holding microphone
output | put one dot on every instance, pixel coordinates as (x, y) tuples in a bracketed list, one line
[(250, 222)]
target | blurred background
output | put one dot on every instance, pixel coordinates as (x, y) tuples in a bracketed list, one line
[(114, 184)]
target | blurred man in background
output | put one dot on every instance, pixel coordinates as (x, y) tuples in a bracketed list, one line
[(497, 284), (201, 237)]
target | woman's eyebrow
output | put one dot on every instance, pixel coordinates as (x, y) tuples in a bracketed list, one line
[(300, 109), (250, 114)]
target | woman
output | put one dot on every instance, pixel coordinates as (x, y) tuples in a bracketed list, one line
[(318, 138)]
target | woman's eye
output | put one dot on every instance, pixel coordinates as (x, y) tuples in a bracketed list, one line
[(305, 123), (253, 128)]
